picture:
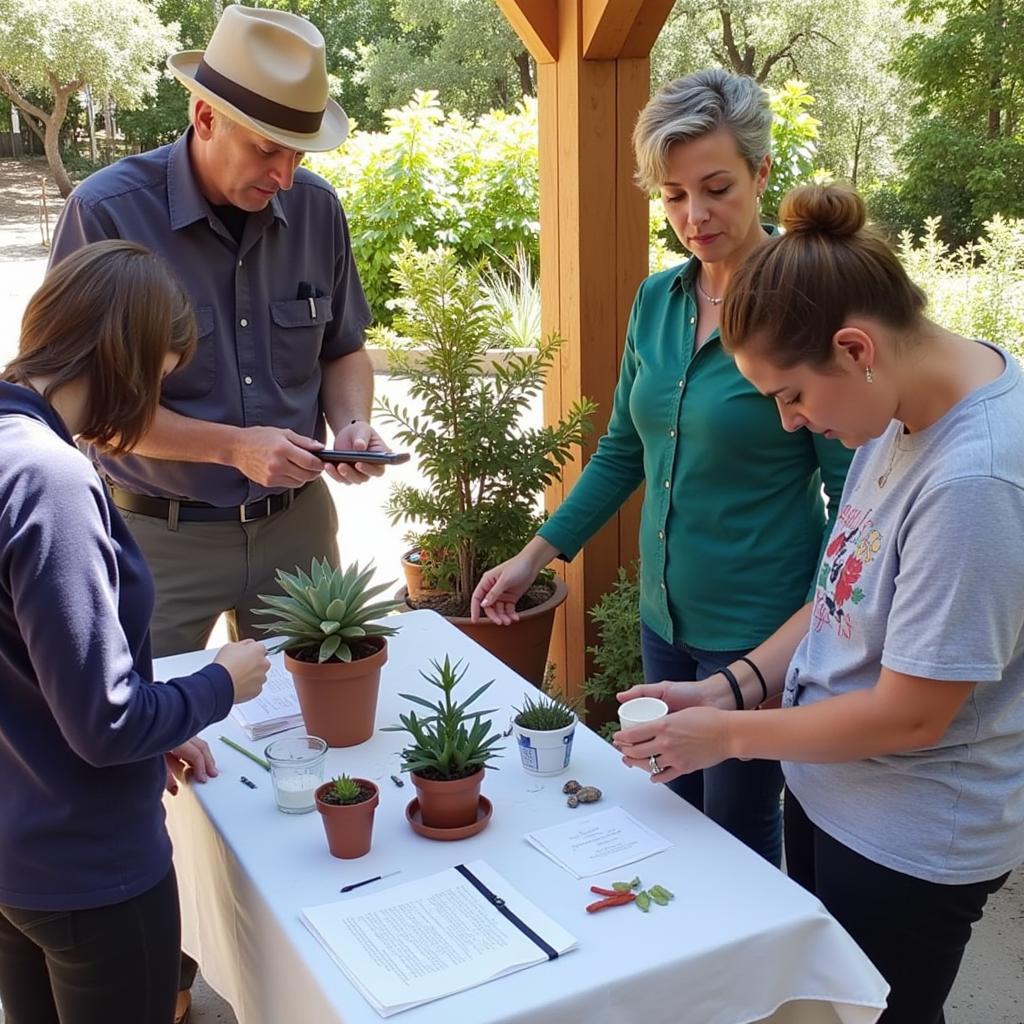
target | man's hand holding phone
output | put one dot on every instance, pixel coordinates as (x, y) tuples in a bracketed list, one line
[(362, 441)]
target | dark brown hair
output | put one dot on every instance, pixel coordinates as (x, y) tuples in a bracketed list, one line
[(110, 312), (795, 291)]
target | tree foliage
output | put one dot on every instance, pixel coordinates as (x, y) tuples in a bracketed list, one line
[(964, 159), (464, 50), (435, 177), (113, 46)]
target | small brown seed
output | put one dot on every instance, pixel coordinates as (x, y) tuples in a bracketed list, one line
[(573, 800), (588, 795), (572, 786)]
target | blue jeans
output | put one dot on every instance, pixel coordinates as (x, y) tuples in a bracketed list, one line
[(744, 797)]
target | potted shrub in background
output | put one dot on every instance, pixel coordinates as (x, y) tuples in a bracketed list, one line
[(446, 755), (544, 727), (332, 649), (485, 472), (346, 806)]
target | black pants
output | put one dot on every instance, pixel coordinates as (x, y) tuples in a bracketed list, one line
[(913, 931), (108, 965)]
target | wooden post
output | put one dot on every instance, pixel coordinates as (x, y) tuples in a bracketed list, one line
[(593, 77)]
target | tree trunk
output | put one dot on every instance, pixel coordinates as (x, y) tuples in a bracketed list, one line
[(51, 141), (90, 117), (858, 136), (526, 81)]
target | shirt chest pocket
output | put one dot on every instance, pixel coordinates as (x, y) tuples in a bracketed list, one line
[(297, 336), (196, 378)]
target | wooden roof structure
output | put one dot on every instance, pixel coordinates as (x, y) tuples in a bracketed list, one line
[(593, 77)]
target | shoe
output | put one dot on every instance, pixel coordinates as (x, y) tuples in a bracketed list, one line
[(183, 1008)]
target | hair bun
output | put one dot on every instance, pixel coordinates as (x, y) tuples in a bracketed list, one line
[(834, 210)]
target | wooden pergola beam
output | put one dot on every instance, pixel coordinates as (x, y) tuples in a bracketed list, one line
[(593, 77), (606, 27), (536, 23)]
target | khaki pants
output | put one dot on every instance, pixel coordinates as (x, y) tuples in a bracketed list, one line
[(203, 570)]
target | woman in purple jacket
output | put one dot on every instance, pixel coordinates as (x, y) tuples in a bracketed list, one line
[(89, 920)]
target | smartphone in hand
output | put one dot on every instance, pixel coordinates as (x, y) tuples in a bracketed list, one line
[(335, 456)]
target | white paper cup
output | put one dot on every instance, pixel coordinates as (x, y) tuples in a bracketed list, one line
[(641, 710)]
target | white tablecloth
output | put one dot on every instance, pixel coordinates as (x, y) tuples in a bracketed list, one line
[(739, 943)]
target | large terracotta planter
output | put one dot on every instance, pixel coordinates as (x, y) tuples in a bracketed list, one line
[(339, 699), (349, 827), (449, 804), (523, 645)]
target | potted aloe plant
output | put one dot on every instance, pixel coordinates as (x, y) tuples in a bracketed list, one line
[(484, 471), (544, 726), (346, 806), (448, 749), (332, 649)]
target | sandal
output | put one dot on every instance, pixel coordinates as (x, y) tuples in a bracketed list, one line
[(183, 1008)]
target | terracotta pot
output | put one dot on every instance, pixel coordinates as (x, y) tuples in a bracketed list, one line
[(448, 804), (338, 699), (523, 645), (349, 827), (414, 579)]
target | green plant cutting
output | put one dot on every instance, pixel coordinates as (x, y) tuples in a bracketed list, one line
[(451, 742)]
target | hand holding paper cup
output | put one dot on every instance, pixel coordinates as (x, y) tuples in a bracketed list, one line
[(641, 710)]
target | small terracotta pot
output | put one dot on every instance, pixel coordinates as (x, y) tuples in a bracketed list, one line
[(338, 698), (523, 645), (349, 827), (451, 803), (414, 578)]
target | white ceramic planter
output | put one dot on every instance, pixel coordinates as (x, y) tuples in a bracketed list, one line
[(544, 753)]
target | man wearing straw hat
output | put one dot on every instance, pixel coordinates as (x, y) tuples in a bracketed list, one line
[(226, 487)]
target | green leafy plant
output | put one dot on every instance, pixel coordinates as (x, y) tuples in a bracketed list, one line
[(545, 713), (451, 742), (484, 470), (436, 177), (344, 791), (617, 654), (325, 615)]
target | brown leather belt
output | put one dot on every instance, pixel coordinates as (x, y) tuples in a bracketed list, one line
[(200, 511)]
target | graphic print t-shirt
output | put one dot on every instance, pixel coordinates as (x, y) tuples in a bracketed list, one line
[(924, 574)]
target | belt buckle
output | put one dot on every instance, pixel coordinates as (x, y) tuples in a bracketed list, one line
[(263, 513)]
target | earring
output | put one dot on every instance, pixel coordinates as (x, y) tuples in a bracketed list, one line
[(869, 376)]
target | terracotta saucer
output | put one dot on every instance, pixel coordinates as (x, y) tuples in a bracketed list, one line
[(483, 815)]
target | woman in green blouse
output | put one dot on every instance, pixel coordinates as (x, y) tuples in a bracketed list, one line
[(733, 518)]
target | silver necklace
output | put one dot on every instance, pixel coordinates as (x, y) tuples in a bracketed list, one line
[(894, 452), (710, 298)]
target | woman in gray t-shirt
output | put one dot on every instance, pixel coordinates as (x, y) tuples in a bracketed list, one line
[(902, 726)]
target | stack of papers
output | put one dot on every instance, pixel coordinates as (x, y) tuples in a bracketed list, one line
[(427, 939), (274, 710), (598, 843)]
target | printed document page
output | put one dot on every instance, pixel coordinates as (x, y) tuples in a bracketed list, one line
[(430, 938)]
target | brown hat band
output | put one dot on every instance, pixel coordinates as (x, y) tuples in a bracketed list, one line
[(304, 122)]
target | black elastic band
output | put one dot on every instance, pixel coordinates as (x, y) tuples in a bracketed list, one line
[(499, 904), (735, 687), (303, 122), (760, 678)]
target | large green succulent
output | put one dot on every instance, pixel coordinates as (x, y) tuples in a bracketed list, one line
[(325, 610), (452, 742)]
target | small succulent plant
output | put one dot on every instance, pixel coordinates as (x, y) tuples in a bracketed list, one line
[(325, 613), (544, 713), (452, 742), (344, 790)]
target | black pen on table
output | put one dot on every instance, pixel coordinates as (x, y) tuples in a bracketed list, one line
[(367, 881)]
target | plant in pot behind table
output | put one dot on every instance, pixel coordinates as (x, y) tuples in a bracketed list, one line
[(333, 650), (447, 752), (484, 471)]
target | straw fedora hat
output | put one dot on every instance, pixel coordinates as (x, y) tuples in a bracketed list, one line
[(266, 70)]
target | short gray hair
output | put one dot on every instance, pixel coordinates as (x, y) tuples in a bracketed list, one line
[(690, 107)]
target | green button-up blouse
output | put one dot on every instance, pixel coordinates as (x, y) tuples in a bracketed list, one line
[(733, 517)]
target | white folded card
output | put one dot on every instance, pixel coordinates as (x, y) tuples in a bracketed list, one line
[(274, 710), (598, 843), (436, 936)]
